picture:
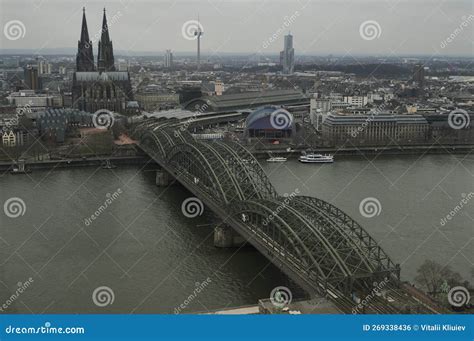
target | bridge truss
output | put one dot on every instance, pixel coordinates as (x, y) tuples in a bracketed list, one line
[(315, 243)]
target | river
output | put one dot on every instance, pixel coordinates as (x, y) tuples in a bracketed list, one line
[(150, 258)]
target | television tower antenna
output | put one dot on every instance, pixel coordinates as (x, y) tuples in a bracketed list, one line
[(198, 33)]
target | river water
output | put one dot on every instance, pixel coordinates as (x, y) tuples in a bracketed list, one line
[(152, 259)]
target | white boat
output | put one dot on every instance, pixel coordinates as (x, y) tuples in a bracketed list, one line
[(316, 158), (276, 159)]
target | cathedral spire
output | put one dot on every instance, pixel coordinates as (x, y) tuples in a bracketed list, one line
[(105, 58), (84, 57)]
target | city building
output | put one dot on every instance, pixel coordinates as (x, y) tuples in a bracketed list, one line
[(374, 130), (287, 56), (31, 100), (218, 87), (105, 88), (9, 139), (168, 62), (44, 68), (419, 75), (356, 100), (32, 81), (262, 124), (53, 124), (442, 132), (247, 100), (151, 101)]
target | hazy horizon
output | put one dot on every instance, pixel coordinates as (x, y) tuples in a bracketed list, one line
[(319, 27)]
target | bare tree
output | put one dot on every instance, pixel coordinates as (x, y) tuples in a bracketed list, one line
[(432, 275)]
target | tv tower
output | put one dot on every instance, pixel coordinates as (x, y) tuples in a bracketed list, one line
[(198, 33)]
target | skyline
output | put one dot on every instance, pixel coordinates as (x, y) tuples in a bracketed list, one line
[(337, 27)]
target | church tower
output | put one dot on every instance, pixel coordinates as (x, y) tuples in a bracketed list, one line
[(105, 58), (85, 56)]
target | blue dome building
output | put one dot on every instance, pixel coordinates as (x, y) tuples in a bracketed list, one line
[(270, 122)]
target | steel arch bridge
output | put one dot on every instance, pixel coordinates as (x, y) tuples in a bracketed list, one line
[(315, 243)]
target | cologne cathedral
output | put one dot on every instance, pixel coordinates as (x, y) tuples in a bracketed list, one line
[(99, 87)]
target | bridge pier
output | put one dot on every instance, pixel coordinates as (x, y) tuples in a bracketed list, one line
[(163, 178), (225, 236)]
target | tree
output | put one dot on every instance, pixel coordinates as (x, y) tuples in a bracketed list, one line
[(432, 275)]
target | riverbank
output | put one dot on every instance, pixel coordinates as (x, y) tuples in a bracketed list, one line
[(79, 162), (362, 151)]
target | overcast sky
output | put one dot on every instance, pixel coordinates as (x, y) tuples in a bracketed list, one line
[(319, 26)]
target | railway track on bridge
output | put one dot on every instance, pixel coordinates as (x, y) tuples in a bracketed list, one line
[(316, 244)]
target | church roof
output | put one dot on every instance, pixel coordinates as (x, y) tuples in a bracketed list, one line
[(94, 76)]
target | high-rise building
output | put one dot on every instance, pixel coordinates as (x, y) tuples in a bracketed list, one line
[(32, 81), (44, 68), (419, 75), (287, 56), (105, 88), (218, 87), (168, 59)]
